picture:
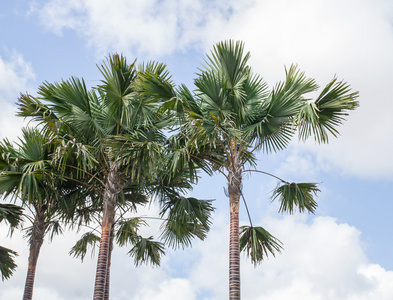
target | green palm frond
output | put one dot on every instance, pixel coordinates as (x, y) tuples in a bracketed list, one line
[(29, 106), (154, 81), (146, 251), (131, 198), (9, 184), (74, 153), (224, 84), (227, 58), (7, 263), (184, 159), (323, 116), (272, 127), (88, 240), (11, 213), (292, 195), (54, 228), (8, 156), (187, 218), (30, 175), (140, 152), (127, 231), (118, 76), (258, 243)]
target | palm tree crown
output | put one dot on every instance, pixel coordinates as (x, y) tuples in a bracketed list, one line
[(112, 136), (232, 114)]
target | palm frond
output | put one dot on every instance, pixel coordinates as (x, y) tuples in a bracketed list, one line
[(146, 251), (272, 127), (139, 152), (7, 263), (258, 243), (11, 213), (187, 218), (154, 81), (29, 106), (127, 231), (54, 227), (88, 240), (327, 112), (292, 195)]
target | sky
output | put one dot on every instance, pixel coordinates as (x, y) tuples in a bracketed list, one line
[(343, 252)]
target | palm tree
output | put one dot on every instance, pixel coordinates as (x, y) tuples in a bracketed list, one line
[(232, 115), (112, 136), (27, 174), (12, 215)]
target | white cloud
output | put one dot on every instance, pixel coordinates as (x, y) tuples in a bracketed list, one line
[(15, 77), (173, 289), (353, 39), (323, 259), (152, 27)]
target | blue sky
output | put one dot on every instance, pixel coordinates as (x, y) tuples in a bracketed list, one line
[(343, 252)]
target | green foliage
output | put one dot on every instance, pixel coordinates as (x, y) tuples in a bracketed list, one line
[(186, 218), (258, 243), (119, 125), (127, 231), (54, 228), (300, 195), (327, 112), (232, 114), (146, 251), (80, 248), (7, 263), (11, 213)]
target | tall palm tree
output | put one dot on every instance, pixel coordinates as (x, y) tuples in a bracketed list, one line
[(27, 174), (113, 136), (12, 214), (232, 115)]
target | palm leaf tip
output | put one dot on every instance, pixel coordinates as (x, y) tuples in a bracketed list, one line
[(11, 213), (292, 195), (187, 218), (7, 263), (89, 239), (322, 117), (128, 231), (258, 243), (146, 251)]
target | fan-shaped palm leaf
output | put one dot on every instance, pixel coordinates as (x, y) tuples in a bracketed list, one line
[(258, 243), (300, 195), (87, 240), (146, 250), (7, 263)]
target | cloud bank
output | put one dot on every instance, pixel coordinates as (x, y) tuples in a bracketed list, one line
[(323, 259), (353, 39), (16, 76)]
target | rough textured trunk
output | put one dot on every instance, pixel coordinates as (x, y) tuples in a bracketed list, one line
[(234, 191), (36, 240), (108, 269), (109, 203)]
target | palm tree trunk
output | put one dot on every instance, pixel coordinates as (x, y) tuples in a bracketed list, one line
[(108, 270), (36, 241), (109, 203), (234, 191)]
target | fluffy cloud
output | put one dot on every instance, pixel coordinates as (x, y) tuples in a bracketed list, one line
[(15, 76), (352, 39), (152, 27), (323, 259)]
